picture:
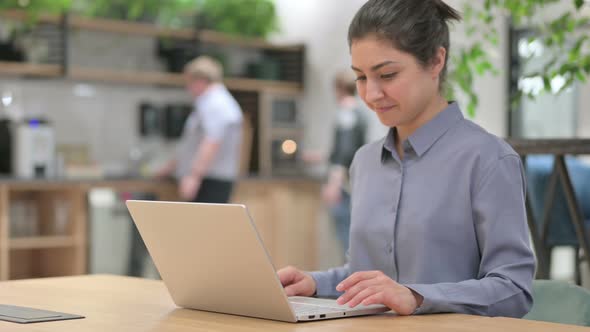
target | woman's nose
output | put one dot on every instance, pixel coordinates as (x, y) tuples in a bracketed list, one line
[(374, 91)]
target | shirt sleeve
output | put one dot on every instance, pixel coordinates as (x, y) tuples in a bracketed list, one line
[(503, 285), (216, 122), (326, 281)]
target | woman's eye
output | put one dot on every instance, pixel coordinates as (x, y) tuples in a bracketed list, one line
[(388, 76), (361, 78)]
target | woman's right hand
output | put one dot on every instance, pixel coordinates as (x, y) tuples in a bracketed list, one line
[(296, 282)]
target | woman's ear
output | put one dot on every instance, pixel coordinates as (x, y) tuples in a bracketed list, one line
[(438, 62)]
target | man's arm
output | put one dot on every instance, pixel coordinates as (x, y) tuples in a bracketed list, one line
[(206, 153), (167, 169), (191, 183)]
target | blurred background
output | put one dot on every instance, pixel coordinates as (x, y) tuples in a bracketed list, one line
[(93, 102)]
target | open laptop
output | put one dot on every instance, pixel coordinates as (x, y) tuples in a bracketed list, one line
[(211, 258)]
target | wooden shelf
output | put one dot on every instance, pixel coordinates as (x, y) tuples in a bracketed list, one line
[(177, 80), (29, 69), (247, 84), (42, 242), (151, 30), (140, 78), (122, 76), (20, 15)]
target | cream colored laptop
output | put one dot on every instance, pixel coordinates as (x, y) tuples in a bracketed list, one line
[(211, 258)]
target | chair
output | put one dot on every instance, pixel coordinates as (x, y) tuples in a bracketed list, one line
[(561, 230), (560, 302)]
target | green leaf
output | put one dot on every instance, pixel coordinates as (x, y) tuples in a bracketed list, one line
[(578, 3), (471, 109), (546, 83), (580, 76), (575, 51), (483, 67)]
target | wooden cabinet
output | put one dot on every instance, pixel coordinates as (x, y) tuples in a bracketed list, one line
[(43, 224), (42, 231), (285, 213)]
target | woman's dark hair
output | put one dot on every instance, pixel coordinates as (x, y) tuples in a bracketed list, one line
[(417, 27)]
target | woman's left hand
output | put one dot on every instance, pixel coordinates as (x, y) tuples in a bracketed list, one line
[(374, 287)]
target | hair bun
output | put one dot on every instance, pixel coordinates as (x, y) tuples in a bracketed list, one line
[(446, 12)]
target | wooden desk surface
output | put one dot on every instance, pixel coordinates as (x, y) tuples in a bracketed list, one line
[(113, 303)]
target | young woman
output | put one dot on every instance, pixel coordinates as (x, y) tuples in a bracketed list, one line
[(438, 213)]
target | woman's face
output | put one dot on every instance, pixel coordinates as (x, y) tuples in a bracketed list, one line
[(393, 83)]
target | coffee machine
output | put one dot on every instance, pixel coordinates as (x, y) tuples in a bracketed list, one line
[(33, 149)]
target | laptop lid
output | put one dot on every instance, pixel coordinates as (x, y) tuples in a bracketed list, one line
[(211, 258)]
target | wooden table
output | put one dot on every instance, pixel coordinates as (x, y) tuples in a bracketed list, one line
[(113, 303)]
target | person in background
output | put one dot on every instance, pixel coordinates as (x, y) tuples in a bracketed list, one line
[(438, 205), (349, 135), (207, 159)]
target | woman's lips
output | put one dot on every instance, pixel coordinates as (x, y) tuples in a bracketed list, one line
[(383, 109)]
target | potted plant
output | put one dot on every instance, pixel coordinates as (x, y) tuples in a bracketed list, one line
[(249, 18), (565, 38)]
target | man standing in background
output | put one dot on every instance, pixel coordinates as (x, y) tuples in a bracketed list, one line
[(207, 159)]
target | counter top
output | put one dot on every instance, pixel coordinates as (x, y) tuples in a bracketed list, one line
[(114, 180)]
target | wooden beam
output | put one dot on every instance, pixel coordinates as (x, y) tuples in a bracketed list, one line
[(23, 16), (29, 69), (122, 76)]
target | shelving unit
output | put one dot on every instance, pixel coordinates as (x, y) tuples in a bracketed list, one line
[(58, 245), (256, 96), (291, 54)]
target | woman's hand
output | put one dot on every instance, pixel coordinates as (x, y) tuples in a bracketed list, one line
[(296, 282), (374, 287)]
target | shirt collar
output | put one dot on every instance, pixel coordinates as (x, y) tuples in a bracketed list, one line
[(211, 90), (425, 136)]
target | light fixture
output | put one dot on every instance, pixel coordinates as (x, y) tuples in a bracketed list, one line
[(289, 146), (7, 98)]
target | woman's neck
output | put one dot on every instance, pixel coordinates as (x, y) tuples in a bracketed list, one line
[(402, 133), (436, 106)]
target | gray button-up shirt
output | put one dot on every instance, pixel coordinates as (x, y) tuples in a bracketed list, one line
[(448, 221)]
